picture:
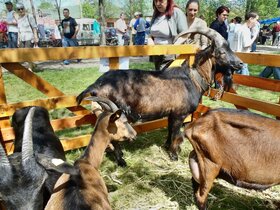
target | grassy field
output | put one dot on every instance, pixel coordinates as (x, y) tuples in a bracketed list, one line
[(151, 180)]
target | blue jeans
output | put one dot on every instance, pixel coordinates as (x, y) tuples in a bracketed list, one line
[(140, 38), (269, 70), (12, 39), (66, 42), (244, 70)]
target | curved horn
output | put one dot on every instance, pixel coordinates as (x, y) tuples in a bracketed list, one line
[(4, 161), (27, 141), (104, 101), (208, 32)]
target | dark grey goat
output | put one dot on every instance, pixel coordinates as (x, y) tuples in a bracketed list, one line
[(173, 92), (24, 182)]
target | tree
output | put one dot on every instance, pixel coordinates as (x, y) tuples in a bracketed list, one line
[(45, 5), (58, 6), (88, 9), (103, 22), (33, 10)]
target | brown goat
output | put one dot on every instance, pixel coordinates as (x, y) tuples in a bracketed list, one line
[(86, 189), (238, 146)]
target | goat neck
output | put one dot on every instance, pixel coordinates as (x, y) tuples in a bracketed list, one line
[(201, 71), (99, 141)]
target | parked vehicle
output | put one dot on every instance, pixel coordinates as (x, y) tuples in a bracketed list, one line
[(88, 35)]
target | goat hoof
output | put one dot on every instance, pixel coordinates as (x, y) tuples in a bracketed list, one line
[(122, 163)]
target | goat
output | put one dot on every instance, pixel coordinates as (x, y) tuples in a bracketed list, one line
[(238, 146), (173, 92), (24, 182), (23, 176), (87, 190)]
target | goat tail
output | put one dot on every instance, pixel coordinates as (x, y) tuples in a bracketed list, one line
[(83, 94)]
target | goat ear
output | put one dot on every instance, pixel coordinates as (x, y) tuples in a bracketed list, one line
[(115, 116), (58, 165)]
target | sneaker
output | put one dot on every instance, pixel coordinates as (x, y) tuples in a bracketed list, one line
[(79, 60), (66, 62)]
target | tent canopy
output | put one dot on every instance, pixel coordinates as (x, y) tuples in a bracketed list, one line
[(269, 21)]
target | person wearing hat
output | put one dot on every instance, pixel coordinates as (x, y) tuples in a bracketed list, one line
[(27, 28), (11, 21), (131, 26)]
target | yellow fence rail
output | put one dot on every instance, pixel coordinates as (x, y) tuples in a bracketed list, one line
[(11, 59)]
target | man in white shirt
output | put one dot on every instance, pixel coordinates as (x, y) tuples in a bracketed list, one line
[(243, 39), (12, 25), (121, 28)]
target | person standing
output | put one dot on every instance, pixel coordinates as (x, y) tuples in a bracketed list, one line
[(244, 39), (167, 22), (70, 30), (121, 28), (255, 33), (276, 34), (131, 27), (11, 22), (192, 8), (219, 24), (232, 39), (140, 26), (27, 28)]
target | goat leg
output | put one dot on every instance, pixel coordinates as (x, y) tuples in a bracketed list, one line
[(175, 137), (118, 154)]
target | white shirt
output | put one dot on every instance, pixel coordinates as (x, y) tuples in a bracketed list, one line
[(121, 26), (24, 27), (160, 31), (11, 19), (242, 40), (131, 24)]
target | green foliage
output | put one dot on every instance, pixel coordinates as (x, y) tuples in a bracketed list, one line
[(45, 5), (89, 9)]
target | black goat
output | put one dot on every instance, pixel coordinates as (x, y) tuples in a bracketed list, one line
[(173, 92), (24, 182)]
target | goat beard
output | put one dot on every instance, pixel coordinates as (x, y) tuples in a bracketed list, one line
[(224, 79)]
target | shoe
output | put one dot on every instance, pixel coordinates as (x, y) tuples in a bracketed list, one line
[(79, 60), (66, 62)]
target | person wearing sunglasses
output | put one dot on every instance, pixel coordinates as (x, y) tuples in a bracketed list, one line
[(192, 8), (27, 28), (219, 24)]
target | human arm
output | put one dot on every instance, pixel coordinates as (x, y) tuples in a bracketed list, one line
[(181, 20), (33, 26), (77, 28), (14, 21), (136, 24)]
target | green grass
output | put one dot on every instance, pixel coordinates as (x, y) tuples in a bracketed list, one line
[(151, 180)]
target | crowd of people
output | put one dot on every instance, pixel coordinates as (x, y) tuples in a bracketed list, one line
[(168, 20)]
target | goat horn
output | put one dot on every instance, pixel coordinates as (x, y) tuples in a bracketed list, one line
[(113, 106), (27, 142), (4, 161), (208, 32)]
